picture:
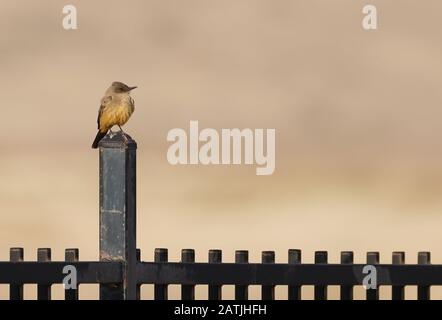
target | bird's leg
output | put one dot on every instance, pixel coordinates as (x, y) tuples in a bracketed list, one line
[(124, 134)]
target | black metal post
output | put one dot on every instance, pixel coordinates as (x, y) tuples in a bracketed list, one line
[(118, 212)]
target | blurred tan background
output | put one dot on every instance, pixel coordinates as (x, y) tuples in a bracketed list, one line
[(357, 117)]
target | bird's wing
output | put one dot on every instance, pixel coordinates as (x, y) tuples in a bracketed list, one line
[(104, 103)]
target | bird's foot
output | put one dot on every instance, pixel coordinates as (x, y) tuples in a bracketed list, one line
[(112, 133)]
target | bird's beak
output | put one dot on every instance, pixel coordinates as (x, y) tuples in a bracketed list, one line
[(131, 88)]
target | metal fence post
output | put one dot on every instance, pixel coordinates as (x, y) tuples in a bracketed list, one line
[(118, 212)]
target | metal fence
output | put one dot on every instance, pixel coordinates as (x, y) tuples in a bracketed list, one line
[(120, 272)]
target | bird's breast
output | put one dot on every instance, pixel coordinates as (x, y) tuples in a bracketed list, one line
[(116, 115), (122, 114)]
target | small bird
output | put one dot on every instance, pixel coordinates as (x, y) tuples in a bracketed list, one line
[(116, 108)]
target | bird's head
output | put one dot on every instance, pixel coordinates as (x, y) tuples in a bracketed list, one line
[(120, 87)]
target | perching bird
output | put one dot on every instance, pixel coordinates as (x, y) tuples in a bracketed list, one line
[(116, 108)]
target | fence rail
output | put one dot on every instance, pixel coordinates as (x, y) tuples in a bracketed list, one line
[(120, 272)]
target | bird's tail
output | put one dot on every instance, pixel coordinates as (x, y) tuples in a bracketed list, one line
[(100, 135)]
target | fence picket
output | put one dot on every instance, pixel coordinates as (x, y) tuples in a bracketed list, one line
[(423, 292), (71, 255), (188, 291), (347, 291), (215, 256), (138, 285), (398, 292), (268, 291), (321, 291), (241, 291), (44, 290), (16, 291), (161, 255), (372, 259), (294, 292)]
